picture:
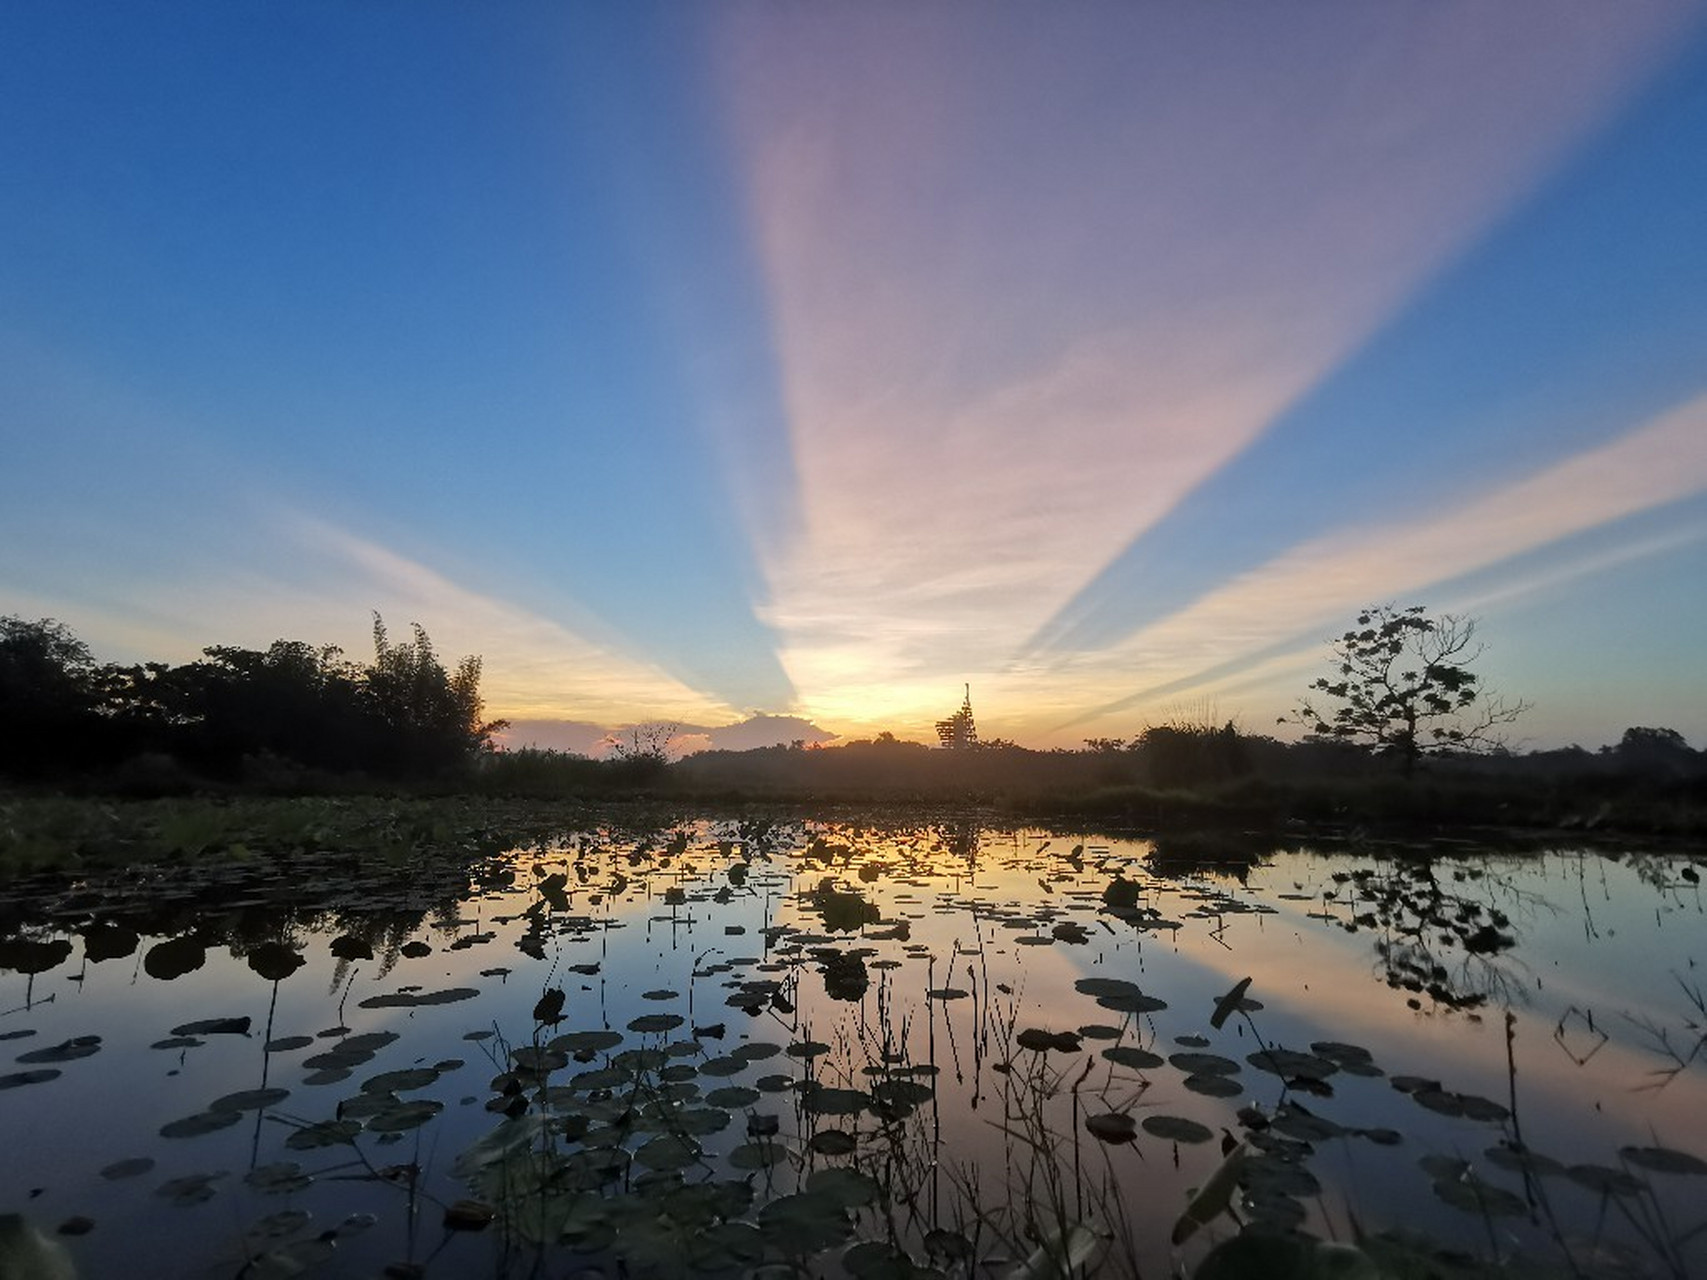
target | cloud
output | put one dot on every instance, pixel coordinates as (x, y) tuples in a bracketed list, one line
[(289, 575), (1266, 625), (1032, 281)]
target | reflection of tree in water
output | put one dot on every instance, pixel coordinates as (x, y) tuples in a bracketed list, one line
[(1177, 854), (845, 975), (961, 839), (239, 906), (843, 910), (1438, 940)]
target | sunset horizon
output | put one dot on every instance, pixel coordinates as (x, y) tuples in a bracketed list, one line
[(783, 372)]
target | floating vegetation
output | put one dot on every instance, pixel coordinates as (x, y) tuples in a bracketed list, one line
[(777, 1048)]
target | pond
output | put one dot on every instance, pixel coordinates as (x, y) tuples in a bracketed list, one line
[(873, 1049)]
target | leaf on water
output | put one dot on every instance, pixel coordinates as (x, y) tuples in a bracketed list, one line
[(1131, 1056), (349, 947), (836, 1102), (757, 1051), (1177, 1129), (415, 950), (585, 1041), (174, 958), (733, 1096), (807, 1049), (400, 1081), (1216, 1086), (1664, 1160), (668, 1151), (201, 1123), (275, 1226), (727, 1066), (1471, 1195), (1212, 1199), (1608, 1182), (249, 1100), (280, 1177), (1413, 1084), (275, 961), (1133, 1002), (757, 1155), (109, 942), (947, 993), (1523, 1160), (1040, 1041), (1113, 1127), (1352, 1059), (127, 1168), (802, 1224), (410, 999), (1099, 1031), (662, 993), (65, 1051), (405, 1115), (1226, 1006), (290, 1260), (1203, 1064), (549, 1007), (286, 1044), (1290, 1064), (214, 1027), (27, 956), (832, 1142), (191, 1189), (847, 1187), (656, 1022), (327, 1133)]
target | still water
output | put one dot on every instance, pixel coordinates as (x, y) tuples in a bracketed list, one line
[(845, 1048)]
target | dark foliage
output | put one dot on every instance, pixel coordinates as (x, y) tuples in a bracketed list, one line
[(235, 714)]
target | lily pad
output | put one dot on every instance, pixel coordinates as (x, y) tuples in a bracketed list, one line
[(202, 1122), (214, 1027), (174, 958), (65, 1051), (18, 1079), (249, 1100), (1131, 1056), (1608, 1182), (1177, 1129), (1203, 1064), (1290, 1064), (400, 1081), (1113, 1127), (1213, 1086), (275, 961), (412, 999), (1664, 1160), (127, 1168), (656, 1022)]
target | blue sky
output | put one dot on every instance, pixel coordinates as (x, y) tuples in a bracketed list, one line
[(692, 362)]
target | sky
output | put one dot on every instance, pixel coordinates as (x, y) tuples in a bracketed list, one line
[(779, 370)]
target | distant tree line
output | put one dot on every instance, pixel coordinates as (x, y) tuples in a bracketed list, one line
[(402, 714)]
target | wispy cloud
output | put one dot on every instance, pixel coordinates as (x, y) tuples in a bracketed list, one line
[(1031, 284), (1266, 625)]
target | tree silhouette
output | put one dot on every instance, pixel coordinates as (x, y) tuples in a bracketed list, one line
[(47, 696), (434, 714), (1405, 689)]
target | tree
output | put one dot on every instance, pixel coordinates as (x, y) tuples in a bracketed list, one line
[(47, 697), (435, 714), (1405, 689)]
